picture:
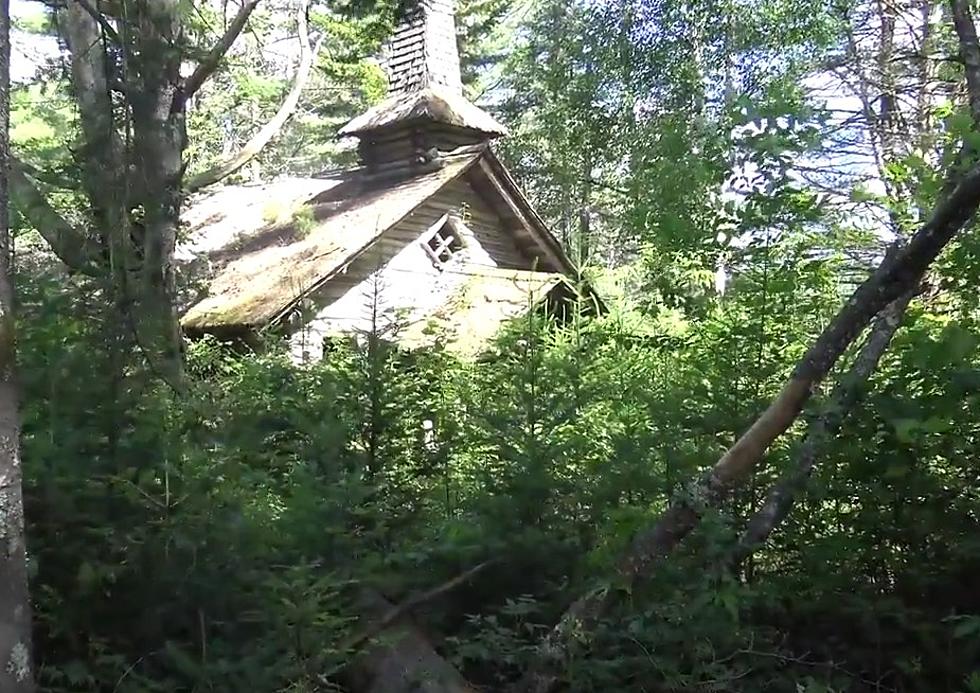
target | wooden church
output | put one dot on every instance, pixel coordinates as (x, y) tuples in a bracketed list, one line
[(428, 240)]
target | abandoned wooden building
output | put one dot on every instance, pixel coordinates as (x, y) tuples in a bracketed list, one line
[(429, 239)]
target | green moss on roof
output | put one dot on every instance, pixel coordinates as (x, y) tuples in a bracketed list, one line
[(264, 272)]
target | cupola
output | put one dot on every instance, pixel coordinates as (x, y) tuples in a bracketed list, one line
[(425, 114)]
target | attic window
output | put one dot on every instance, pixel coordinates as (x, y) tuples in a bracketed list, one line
[(445, 242)]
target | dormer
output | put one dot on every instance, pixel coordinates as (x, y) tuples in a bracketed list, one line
[(425, 114)]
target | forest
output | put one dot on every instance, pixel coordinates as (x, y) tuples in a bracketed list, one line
[(743, 464)]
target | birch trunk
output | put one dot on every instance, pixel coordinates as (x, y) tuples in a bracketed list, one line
[(16, 675)]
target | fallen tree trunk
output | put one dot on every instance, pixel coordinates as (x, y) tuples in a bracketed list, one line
[(401, 659), (899, 273), (779, 501)]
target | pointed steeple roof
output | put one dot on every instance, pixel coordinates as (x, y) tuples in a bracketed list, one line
[(425, 94), (422, 53)]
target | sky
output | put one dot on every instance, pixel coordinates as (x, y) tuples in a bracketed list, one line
[(28, 51)]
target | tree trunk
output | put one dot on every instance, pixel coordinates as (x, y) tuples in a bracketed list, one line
[(402, 660), (779, 500), (16, 669), (126, 60), (159, 138)]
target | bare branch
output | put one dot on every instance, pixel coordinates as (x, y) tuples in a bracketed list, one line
[(254, 146), (397, 612), (213, 59)]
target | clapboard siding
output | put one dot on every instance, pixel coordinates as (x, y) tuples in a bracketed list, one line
[(457, 198), (460, 199), (399, 271)]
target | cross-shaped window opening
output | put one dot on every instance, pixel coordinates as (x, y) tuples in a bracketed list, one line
[(445, 243)]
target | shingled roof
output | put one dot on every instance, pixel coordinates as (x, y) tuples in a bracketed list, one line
[(422, 53), (433, 104), (422, 64), (271, 261)]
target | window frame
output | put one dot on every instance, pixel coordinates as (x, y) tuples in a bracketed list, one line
[(455, 243)]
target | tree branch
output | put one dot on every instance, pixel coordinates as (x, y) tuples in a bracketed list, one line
[(52, 178), (213, 59), (254, 146), (67, 242), (107, 28), (403, 609), (899, 273)]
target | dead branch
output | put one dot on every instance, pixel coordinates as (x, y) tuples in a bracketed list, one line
[(900, 272), (402, 660), (406, 607), (845, 396)]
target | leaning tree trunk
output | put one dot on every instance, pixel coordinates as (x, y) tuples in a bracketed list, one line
[(780, 498), (900, 272), (15, 610)]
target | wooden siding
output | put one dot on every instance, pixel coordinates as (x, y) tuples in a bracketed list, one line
[(459, 198), (400, 274), (423, 50)]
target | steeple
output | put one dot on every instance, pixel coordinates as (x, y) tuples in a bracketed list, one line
[(423, 51), (425, 114)]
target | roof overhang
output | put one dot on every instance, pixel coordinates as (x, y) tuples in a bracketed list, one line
[(433, 104)]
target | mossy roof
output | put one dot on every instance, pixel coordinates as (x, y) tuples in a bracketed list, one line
[(268, 246), (434, 104)]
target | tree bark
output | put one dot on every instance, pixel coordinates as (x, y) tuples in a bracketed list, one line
[(16, 667), (966, 31), (70, 245), (159, 139)]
